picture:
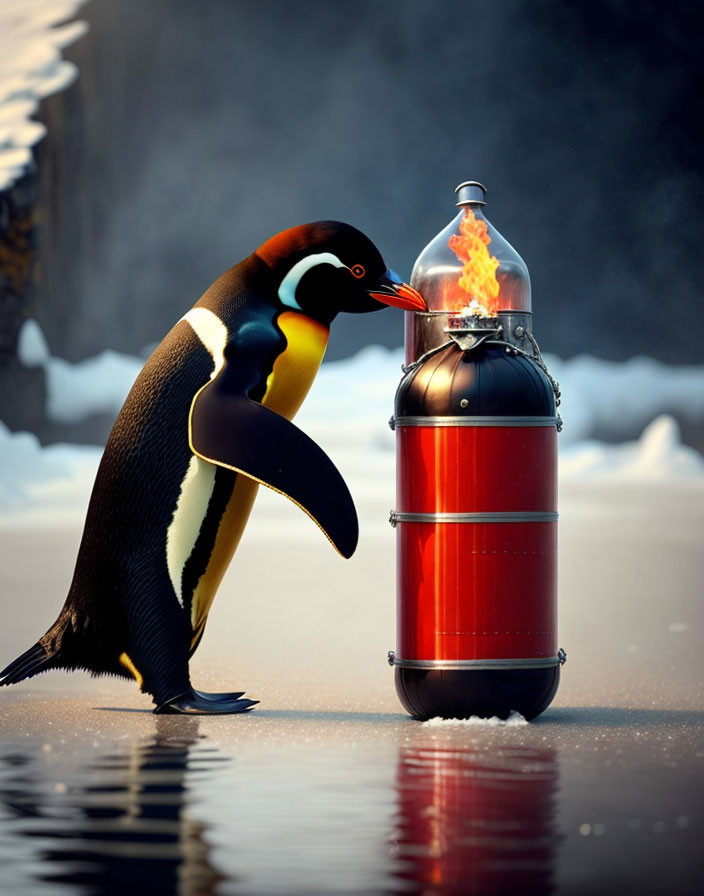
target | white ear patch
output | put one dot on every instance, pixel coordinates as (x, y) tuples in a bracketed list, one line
[(287, 290)]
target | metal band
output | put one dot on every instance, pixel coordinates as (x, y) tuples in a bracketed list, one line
[(539, 662), (473, 421), (512, 516)]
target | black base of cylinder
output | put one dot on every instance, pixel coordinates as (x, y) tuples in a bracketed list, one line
[(461, 693)]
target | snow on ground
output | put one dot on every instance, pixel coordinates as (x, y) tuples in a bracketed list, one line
[(31, 68), (514, 720)]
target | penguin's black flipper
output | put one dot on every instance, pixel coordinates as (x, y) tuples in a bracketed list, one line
[(194, 704), (235, 432)]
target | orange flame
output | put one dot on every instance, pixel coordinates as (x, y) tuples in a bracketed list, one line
[(478, 277)]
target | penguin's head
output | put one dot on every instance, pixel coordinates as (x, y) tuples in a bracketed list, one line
[(328, 267)]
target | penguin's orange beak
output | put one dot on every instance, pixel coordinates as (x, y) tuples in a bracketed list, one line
[(392, 291)]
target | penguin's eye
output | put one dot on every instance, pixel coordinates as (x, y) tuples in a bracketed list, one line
[(357, 271)]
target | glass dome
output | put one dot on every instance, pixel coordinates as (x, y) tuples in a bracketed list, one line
[(469, 267)]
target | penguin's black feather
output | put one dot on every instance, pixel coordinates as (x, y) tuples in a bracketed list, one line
[(31, 662)]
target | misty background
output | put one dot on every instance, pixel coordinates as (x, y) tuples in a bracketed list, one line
[(197, 130)]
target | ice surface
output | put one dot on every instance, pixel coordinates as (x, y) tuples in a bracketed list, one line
[(31, 67), (327, 786)]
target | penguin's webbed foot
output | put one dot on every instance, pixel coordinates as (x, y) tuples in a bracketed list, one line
[(197, 704), (206, 695)]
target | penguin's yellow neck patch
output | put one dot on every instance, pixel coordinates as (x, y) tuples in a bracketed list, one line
[(295, 368)]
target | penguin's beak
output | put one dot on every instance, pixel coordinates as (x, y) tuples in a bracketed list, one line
[(391, 290)]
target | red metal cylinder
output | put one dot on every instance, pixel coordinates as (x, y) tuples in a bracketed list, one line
[(496, 578), (476, 523)]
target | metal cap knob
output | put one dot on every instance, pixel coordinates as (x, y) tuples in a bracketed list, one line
[(471, 192)]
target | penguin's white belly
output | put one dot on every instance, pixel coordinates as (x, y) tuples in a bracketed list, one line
[(189, 515)]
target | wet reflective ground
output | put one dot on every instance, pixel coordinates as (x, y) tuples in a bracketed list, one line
[(120, 823), (280, 802), (313, 793)]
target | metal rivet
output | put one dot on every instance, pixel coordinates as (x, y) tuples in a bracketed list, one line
[(464, 403), (519, 332)]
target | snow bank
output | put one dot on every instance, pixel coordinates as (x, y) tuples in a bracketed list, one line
[(22, 461), (657, 456), (623, 397), (347, 412), (31, 68), (97, 385), (52, 482), (94, 386), (354, 397), (352, 400)]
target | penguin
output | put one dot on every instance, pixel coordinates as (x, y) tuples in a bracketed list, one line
[(206, 422)]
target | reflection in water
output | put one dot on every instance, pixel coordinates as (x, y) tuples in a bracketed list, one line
[(476, 820), (469, 819), (121, 824)]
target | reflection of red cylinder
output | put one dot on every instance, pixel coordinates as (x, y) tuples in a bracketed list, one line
[(476, 523), (476, 821)]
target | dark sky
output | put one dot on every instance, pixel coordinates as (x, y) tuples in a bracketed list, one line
[(197, 130)]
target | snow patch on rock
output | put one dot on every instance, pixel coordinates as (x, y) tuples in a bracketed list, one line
[(31, 68), (32, 347)]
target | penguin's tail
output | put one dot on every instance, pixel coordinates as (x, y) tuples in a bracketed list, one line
[(31, 662)]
